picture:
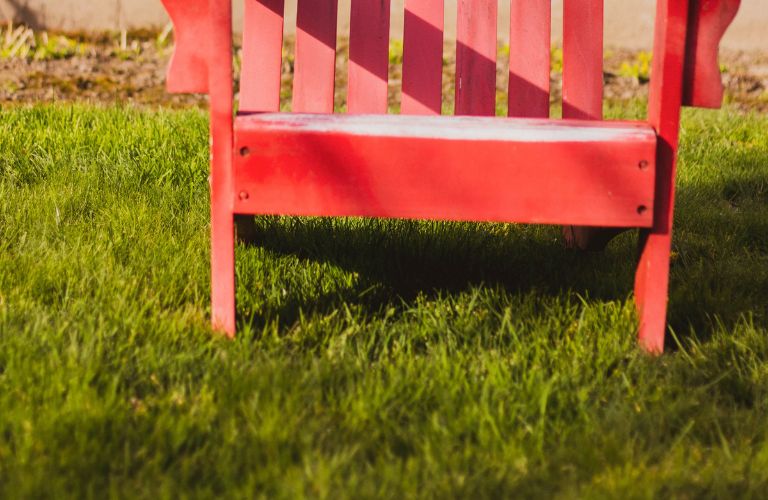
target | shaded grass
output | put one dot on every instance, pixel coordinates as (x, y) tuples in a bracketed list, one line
[(378, 358)]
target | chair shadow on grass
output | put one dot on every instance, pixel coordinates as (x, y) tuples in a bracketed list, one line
[(411, 258), (402, 260)]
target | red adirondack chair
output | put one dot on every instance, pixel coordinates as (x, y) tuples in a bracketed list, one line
[(578, 172)]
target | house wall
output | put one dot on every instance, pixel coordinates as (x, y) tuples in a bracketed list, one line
[(629, 23)]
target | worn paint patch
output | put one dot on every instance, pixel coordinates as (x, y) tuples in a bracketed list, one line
[(460, 128)]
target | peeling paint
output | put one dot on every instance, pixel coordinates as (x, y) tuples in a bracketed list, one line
[(465, 128)]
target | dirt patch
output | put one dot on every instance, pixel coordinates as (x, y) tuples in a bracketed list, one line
[(110, 70), (103, 74)]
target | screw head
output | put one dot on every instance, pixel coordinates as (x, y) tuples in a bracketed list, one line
[(641, 209), (245, 151), (244, 195), (643, 165)]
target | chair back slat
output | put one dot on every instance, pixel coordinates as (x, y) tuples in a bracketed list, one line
[(422, 71), (368, 57), (423, 33), (530, 37), (262, 55), (477, 34), (315, 63), (583, 59)]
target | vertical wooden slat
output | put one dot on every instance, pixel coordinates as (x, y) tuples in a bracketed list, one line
[(315, 65), (477, 33), (583, 59), (424, 27), (368, 57), (529, 58), (583, 88), (262, 55)]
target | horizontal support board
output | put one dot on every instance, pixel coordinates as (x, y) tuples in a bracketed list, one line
[(449, 168)]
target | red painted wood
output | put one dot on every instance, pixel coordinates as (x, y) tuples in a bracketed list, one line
[(219, 45), (423, 57), (315, 65), (368, 57), (583, 87), (262, 55), (652, 279), (188, 71), (708, 21), (477, 169), (538, 171), (529, 58), (583, 59), (477, 34)]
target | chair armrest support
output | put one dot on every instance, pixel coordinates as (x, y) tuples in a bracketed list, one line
[(707, 22), (188, 70)]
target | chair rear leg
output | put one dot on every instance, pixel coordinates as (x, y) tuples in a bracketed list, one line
[(223, 270), (590, 239), (652, 289), (245, 229)]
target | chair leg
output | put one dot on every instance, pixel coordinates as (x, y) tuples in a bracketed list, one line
[(652, 289), (223, 271), (590, 239), (245, 229)]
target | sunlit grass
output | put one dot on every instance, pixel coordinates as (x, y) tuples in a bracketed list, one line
[(377, 358)]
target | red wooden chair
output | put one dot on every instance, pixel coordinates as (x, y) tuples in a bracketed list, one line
[(579, 172)]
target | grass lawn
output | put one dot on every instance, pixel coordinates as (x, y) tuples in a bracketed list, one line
[(378, 358)]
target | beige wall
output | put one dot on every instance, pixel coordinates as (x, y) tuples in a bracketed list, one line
[(629, 23)]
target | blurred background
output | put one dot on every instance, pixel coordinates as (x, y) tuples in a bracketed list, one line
[(118, 51), (85, 15)]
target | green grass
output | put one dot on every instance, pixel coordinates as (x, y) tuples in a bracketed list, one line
[(378, 358)]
